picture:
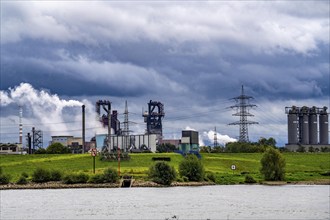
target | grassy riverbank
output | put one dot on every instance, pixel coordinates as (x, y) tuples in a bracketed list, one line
[(307, 167)]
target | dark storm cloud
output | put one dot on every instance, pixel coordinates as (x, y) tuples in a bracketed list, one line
[(185, 54)]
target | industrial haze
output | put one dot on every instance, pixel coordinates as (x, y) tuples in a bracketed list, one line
[(191, 56)]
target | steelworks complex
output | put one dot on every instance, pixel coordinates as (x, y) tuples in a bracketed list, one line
[(308, 127)]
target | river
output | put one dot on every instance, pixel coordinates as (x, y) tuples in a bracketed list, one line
[(203, 202)]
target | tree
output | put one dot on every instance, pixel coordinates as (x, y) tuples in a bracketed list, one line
[(162, 173), (273, 165), (267, 142), (57, 148), (262, 141), (271, 142), (205, 149), (192, 168), (311, 149), (217, 149), (242, 147), (301, 149)]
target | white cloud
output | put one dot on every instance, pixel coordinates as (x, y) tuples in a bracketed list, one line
[(191, 56), (263, 27), (221, 139)]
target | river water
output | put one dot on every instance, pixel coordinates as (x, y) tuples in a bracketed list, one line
[(203, 202)]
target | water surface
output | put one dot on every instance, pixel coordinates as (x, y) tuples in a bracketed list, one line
[(204, 202)]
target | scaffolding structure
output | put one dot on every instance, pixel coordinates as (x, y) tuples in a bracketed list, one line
[(242, 107), (37, 139), (106, 105), (215, 137), (126, 129), (153, 117)]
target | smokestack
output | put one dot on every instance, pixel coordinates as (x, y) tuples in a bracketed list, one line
[(29, 143), (109, 125), (20, 125), (83, 128), (33, 139)]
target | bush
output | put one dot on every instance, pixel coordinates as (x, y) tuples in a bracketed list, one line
[(301, 149), (192, 168), (22, 180), (249, 179), (106, 156), (185, 179), (40, 175), (4, 178), (273, 165), (75, 178), (55, 175), (311, 149), (57, 148), (162, 173), (110, 175), (97, 178), (41, 151), (210, 177), (327, 173), (25, 174), (325, 149)]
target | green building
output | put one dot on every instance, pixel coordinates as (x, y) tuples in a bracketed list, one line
[(189, 141)]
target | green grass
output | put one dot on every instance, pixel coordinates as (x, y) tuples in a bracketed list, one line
[(299, 166)]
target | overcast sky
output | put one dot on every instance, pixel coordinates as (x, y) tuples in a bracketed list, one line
[(191, 56)]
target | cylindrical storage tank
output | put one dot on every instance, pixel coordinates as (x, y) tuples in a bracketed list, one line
[(304, 128), (324, 126), (292, 128), (313, 127)]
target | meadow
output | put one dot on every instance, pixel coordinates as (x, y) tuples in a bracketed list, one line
[(299, 166)]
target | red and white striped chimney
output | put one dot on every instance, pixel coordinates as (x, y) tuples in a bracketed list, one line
[(20, 125)]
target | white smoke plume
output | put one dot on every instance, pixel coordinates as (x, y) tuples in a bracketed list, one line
[(189, 129), (49, 112), (208, 137)]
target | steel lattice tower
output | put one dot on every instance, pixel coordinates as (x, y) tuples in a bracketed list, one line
[(215, 137), (242, 107), (126, 129)]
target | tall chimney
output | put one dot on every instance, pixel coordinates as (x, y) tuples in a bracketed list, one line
[(20, 125), (109, 126), (83, 129), (33, 139)]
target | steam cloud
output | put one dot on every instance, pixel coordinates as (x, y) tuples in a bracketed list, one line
[(207, 137), (47, 109)]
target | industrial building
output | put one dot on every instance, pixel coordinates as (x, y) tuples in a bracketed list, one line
[(137, 143), (67, 140), (189, 141), (75, 143), (153, 117), (175, 142), (11, 148), (120, 138), (307, 127)]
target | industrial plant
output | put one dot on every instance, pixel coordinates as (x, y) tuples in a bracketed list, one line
[(121, 138), (307, 127)]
